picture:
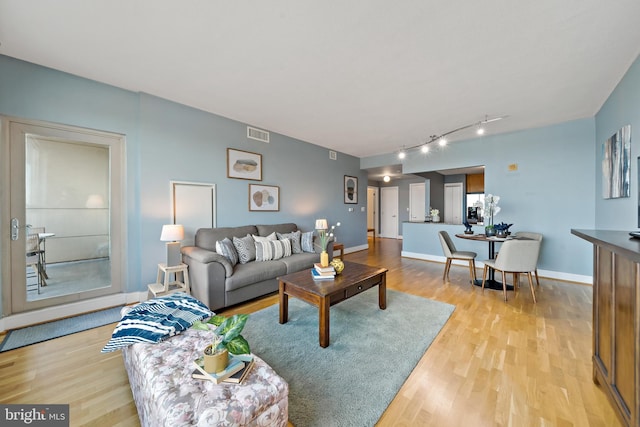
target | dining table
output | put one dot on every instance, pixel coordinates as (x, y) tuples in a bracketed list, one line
[(491, 281)]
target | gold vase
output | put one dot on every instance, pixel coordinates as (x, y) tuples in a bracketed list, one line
[(216, 362), (324, 259)]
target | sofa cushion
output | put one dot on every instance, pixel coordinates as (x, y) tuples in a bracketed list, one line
[(306, 242), (265, 230), (226, 248), (272, 249), (206, 238), (295, 236), (254, 272), (297, 262), (245, 246)]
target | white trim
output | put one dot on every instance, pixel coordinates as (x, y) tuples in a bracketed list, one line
[(48, 314), (556, 275)]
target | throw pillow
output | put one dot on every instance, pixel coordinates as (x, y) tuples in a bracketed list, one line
[(295, 240), (271, 236), (226, 248), (246, 248), (307, 241), (157, 319), (272, 249)]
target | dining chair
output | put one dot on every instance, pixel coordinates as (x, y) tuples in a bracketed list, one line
[(516, 256), (34, 257), (452, 253), (533, 236)]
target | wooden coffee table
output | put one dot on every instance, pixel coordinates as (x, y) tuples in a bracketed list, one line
[(355, 279)]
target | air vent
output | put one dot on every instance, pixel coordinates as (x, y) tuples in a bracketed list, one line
[(257, 134), (333, 155)]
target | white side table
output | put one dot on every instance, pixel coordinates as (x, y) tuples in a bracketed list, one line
[(165, 286)]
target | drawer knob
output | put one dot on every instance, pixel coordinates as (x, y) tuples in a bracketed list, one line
[(359, 288)]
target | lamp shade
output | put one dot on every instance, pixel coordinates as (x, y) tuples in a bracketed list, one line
[(172, 233), (321, 224)]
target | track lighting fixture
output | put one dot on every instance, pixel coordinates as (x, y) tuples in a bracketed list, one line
[(424, 147)]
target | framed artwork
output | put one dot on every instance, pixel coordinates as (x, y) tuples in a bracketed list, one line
[(616, 160), (244, 165), (264, 197), (350, 189), (193, 204)]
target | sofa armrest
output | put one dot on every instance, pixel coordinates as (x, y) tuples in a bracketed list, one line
[(205, 256), (208, 271)]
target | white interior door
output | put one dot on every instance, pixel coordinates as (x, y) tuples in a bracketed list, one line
[(453, 203), (417, 199), (389, 212)]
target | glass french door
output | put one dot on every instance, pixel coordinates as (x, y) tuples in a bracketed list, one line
[(65, 214)]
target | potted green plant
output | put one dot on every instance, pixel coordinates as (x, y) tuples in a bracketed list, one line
[(227, 339)]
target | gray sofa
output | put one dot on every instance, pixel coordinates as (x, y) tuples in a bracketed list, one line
[(217, 283)]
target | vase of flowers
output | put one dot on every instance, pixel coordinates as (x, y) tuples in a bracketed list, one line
[(435, 215), (325, 235), (491, 208)]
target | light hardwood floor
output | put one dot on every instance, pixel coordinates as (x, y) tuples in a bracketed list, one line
[(493, 363)]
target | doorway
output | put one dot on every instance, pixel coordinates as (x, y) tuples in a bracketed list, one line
[(417, 202), (389, 212), (66, 215), (372, 209), (453, 203)]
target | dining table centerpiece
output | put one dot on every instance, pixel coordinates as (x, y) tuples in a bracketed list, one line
[(491, 209)]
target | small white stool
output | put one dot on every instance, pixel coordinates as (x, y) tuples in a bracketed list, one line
[(164, 286)]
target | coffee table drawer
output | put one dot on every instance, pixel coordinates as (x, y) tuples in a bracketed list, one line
[(361, 287)]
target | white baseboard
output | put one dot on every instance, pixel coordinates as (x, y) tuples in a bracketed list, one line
[(557, 275), (20, 320)]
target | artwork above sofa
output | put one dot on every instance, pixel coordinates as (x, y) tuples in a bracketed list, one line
[(230, 265)]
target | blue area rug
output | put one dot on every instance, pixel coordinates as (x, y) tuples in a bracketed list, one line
[(371, 354), (59, 328)]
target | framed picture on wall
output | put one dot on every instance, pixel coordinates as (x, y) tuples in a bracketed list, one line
[(350, 189), (244, 165), (264, 197), (193, 204), (616, 162)]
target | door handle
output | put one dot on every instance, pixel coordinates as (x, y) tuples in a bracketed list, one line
[(15, 228)]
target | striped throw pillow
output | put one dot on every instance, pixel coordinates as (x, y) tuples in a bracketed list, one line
[(272, 249), (226, 248)]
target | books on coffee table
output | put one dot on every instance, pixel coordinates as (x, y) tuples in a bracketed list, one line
[(322, 276), (321, 269)]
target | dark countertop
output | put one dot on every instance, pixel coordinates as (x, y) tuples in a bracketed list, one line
[(613, 240)]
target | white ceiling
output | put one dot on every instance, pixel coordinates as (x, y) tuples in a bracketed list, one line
[(360, 77)]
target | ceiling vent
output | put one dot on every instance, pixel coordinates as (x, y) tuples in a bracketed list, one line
[(257, 134)]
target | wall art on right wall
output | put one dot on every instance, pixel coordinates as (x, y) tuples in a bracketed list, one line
[(616, 161)]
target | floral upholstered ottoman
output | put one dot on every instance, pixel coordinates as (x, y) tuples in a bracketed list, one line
[(166, 394)]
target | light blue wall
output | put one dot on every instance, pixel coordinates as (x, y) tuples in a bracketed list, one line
[(167, 141), (621, 108), (551, 192)]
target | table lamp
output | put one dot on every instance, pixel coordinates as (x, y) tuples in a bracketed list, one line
[(321, 224), (172, 234)]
